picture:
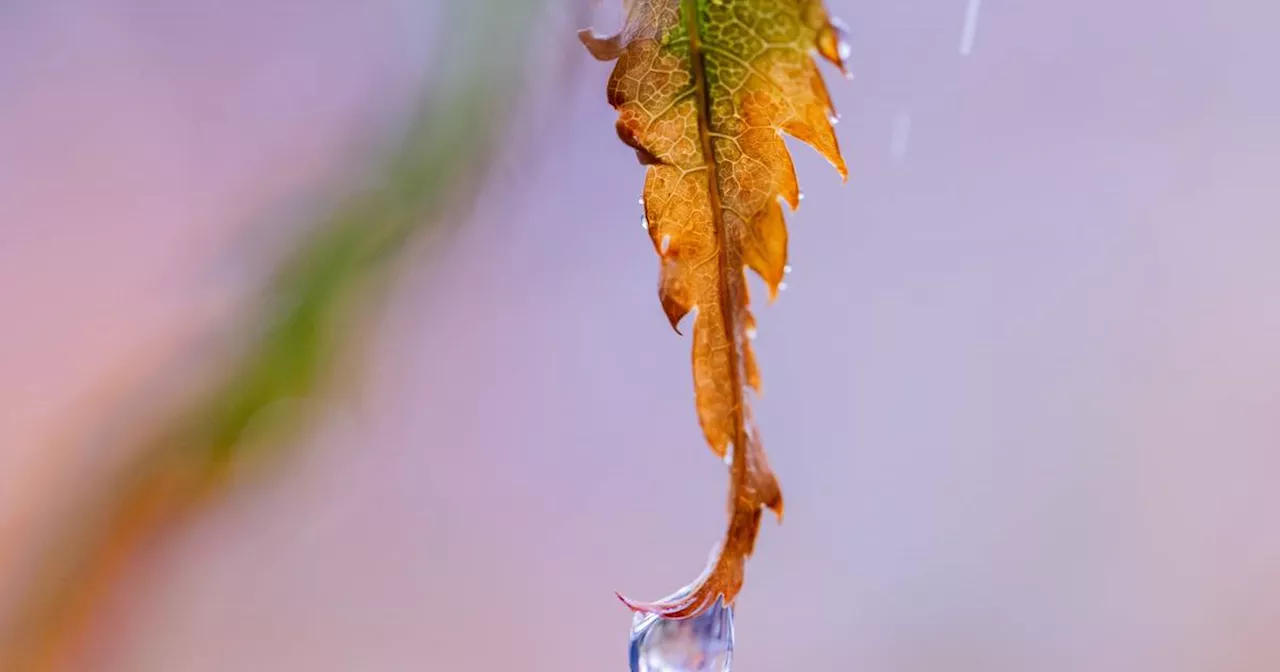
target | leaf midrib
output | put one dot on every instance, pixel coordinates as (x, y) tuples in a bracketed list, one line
[(702, 100)]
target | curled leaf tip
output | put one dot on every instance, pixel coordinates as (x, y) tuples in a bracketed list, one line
[(602, 48)]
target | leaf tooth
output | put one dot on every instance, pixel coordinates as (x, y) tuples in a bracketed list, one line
[(674, 291), (766, 246), (785, 181), (753, 370), (627, 134), (833, 43), (602, 48)]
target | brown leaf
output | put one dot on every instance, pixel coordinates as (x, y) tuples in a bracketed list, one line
[(704, 90)]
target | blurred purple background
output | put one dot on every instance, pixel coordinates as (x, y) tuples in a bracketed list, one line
[(1023, 391)]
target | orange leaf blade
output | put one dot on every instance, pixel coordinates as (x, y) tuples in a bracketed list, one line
[(704, 91)]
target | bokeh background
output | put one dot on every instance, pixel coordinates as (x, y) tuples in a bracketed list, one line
[(1022, 391)]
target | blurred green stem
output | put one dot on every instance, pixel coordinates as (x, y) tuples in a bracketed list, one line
[(308, 317)]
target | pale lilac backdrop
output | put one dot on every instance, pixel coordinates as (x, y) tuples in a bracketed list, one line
[(1023, 390)]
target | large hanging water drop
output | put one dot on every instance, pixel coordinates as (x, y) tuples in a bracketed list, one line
[(703, 643)]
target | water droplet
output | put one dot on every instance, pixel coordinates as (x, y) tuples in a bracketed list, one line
[(800, 196), (786, 269), (782, 286), (703, 643), (751, 333), (844, 50), (841, 33), (640, 200), (728, 455), (644, 222), (665, 244), (833, 118)]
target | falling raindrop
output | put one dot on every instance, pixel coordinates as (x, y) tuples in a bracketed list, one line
[(703, 643), (970, 27), (900, 137)]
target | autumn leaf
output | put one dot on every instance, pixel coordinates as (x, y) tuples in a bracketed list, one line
[(704, 91)]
